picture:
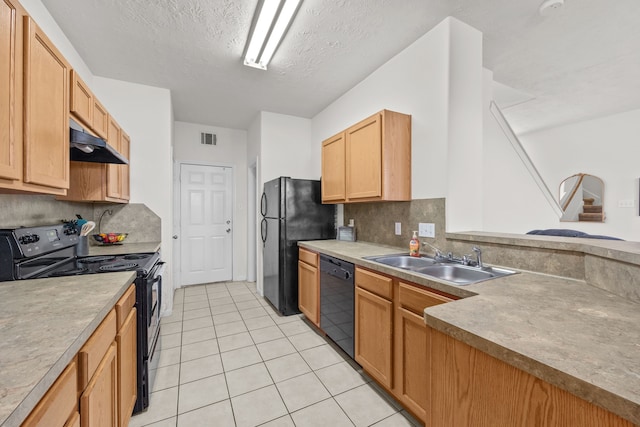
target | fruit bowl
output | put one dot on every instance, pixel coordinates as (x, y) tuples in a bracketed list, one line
[(110, 238)]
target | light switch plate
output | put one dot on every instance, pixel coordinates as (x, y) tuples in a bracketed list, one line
[(398, 228), (426, 229)]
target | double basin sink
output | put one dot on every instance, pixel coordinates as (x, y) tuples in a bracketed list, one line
[(455, 274)]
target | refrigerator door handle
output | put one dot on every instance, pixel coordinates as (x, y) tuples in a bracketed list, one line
[(263, 231), (263, 204)]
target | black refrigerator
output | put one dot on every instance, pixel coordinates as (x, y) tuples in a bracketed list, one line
[(292, 210)]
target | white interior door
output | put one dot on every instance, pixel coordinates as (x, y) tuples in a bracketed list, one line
[(206, 196)]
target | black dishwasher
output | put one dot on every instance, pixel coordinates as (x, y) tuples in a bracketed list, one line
[(337, 301)]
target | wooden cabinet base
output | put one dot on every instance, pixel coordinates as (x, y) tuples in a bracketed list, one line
[(471, 388)]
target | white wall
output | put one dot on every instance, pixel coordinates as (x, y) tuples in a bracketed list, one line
[(416, 82), (230, 150), (606, 147), (43, 18), (512, 202), (464, 154), (286, 147), (146, 114)]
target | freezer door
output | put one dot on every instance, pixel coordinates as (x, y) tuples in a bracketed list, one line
[(271, 260), (272, 197), (307, 218)]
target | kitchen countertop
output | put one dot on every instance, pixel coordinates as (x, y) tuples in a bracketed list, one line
[(43, 325), (125, 248), (575, 336)]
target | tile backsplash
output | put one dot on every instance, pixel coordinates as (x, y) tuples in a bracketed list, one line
[(142, 224), (375, 221)]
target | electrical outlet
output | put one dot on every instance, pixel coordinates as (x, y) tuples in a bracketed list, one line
[(398, 228), (628, 203), (426, 229)]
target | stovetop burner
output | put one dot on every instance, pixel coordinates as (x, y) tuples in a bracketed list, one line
[(118, 267), (73, 272), (96, 259)]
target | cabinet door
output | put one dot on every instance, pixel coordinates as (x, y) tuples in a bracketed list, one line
[(127, 390), (364, 159), (125, 143), (81, 100), (100, 119), (9, 130), (373, 336), (46, 111), (412, 340), (333, 169), (309, 292), (58, 406), (99, 402), (113, 171)]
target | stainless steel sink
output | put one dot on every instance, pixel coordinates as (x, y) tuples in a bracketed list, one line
[(455, 274), (404, 261)]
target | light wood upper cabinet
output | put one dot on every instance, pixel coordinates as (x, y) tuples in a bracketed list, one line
[(333, 167), (46, 117), (34, 128), (10, 138), (81, 100), (114, 176), (375, 164), (125, 143), (309, 286), (100, 119)]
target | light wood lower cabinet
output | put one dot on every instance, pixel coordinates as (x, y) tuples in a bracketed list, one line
[(99, 401), (470, 388), (127, 345), (309, 285), (374, 327), (98, 388), (412, 344), (59, 407)]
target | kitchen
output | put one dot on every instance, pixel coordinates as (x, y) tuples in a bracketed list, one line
[(146, 112)]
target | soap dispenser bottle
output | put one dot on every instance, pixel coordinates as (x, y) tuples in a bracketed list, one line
[(414, 245)]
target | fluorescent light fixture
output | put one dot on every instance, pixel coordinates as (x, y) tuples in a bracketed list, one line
[(274, 18)]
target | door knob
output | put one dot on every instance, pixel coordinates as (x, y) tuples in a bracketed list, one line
[(175, 237)]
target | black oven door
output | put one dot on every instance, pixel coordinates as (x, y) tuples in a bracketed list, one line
[(154, 300)]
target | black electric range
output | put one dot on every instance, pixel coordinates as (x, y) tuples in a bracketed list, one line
[(50, 251)]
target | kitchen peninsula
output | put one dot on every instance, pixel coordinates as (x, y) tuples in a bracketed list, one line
[(574, 336)]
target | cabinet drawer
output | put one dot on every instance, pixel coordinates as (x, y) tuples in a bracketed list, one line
[(124, 305), (91, 354), (60, 402), (374, 283), (416, 299), (310, 258)]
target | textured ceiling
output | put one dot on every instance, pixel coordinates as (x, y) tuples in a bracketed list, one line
[(581, 62)]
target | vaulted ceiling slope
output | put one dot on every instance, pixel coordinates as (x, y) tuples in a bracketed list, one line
[(580, 62)]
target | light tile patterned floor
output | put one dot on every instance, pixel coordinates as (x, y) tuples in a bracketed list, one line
[(229, 359)]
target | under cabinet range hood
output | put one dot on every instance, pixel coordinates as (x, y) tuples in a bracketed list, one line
[(88, 148)]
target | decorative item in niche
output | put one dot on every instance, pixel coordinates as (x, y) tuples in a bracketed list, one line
[(582, 198)]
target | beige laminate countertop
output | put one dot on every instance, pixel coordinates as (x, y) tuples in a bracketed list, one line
[(43, 324), (573, 335), (125, 248)]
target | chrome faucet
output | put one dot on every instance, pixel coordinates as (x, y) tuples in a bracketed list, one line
[(438, 253), (478, 252)]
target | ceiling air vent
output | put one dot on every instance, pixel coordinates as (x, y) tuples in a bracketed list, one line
[(208, 138)]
